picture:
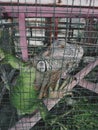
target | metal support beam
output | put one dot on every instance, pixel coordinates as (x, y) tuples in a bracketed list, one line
[(49, 11), (89, 85), (23, 40)]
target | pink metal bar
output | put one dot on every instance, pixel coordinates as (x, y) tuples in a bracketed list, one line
[(48, 15), (80, 75), (28, 123), (89, 85), (50, 103), (86, 70), (23, 40), (49, 11)]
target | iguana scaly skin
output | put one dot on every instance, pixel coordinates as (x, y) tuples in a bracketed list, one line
[(23, 96)]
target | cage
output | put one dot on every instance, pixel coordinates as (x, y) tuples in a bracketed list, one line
[(48, 64)]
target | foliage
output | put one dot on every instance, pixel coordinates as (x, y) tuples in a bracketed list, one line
[(82, 115), (85, 115)]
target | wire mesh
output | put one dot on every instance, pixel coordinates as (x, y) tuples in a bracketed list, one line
[(48, 65)]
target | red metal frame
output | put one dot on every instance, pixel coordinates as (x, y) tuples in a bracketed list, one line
[(14, 11), (23, 40), (51, 11)]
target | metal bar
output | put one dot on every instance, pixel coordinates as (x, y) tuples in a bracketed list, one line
[(23, 40), (56, 28), (50, 103), (48, 15), (89, 85), (80, 75), (43, 11), (28, 123), (33, 3)]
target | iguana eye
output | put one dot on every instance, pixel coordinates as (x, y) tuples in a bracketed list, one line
[(41, 66)]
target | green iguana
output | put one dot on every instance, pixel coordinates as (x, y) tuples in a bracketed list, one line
[(23, 95)]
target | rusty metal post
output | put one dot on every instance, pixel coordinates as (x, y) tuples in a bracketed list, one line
[(56, 29)]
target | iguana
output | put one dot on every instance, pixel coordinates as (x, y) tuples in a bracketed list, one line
[(23, 95)]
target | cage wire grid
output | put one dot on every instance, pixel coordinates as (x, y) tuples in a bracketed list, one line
[(49, 65)]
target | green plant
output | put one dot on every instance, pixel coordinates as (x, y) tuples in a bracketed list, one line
[(85, 115), (82, 115)]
